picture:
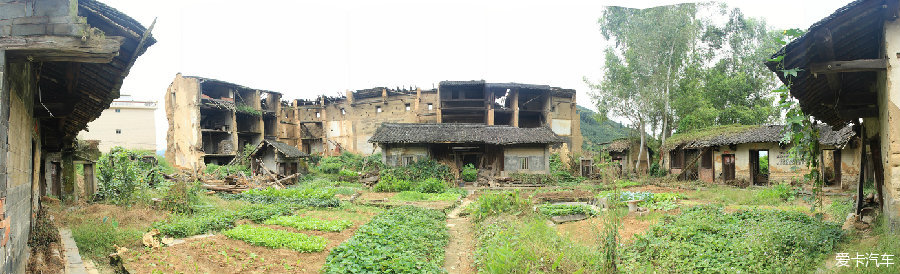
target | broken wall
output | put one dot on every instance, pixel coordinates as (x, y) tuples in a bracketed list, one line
[(887, 125), (183, 139)]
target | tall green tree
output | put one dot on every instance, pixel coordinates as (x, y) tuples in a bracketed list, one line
[(651, 46), (724, 81)]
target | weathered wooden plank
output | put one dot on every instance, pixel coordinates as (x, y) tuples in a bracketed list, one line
[(63, 48), (848, 66)]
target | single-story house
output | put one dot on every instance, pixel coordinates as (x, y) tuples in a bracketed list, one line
[(625, 152), (756, 155), (277, 157), (501, 149)]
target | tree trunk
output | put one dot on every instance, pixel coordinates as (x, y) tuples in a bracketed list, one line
[(640, 148)]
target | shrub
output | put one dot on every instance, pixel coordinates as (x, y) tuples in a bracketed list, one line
[(705, 239), (469, 173), (431, 185), (120, 175), (782, 192), (401, 240), (419, 171), (491, 204), (181, 197), (226, 170), (264, 236), (329, 168), (309, 223)]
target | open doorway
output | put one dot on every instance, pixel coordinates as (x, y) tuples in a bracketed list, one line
[(759, 167), (831, 163)]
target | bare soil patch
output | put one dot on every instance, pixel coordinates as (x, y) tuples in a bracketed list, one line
[(589, 231), (219, 254)]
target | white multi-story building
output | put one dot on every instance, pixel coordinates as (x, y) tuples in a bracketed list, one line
[(126, 123)]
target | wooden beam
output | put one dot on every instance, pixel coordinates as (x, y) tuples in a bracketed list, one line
[(848, 66), (853, 113), (62, 48)]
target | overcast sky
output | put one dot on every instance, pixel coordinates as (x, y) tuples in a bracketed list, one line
[(306, 48)]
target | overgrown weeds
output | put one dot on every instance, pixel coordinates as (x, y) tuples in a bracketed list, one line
[(496, 203), (529, 245), (706, 239)]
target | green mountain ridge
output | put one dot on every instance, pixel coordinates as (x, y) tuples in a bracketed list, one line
[(595, 132)]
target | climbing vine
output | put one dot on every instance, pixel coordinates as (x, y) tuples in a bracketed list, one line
[(801, 130)]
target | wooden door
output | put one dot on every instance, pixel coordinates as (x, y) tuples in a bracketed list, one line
[(728, 167)]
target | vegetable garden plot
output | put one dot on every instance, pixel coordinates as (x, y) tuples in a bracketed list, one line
[(401, 240), (308, 223), (263, 236)]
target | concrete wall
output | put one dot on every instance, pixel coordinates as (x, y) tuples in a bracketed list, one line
[(538, 159), (136, 124)]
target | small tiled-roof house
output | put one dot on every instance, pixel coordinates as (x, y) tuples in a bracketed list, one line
[(278, 157), (501, 149), (755, 154)]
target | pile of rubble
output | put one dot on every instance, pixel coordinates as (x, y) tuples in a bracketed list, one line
[(235, 183), (865, 220)]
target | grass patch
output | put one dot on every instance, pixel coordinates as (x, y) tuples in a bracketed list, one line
[(95, 238), (419, 196), (881, 241), (705, 239), (309, 223), (562, 210), (508, 245), (776, 195), (273, 238), (401, 240), (496, 203)]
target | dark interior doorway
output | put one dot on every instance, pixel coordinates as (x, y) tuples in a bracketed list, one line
[(832, 166), (759, 167)]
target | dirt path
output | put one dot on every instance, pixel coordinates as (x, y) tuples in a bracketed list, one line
[(461, 249)]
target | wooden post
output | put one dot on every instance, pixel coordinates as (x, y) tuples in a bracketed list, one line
[(862, 169), (875, 145)]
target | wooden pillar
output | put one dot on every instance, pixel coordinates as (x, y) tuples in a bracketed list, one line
[(875, 145), (514, 94), (490, 108), (68, 177), (89, 181), (862, 168)]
